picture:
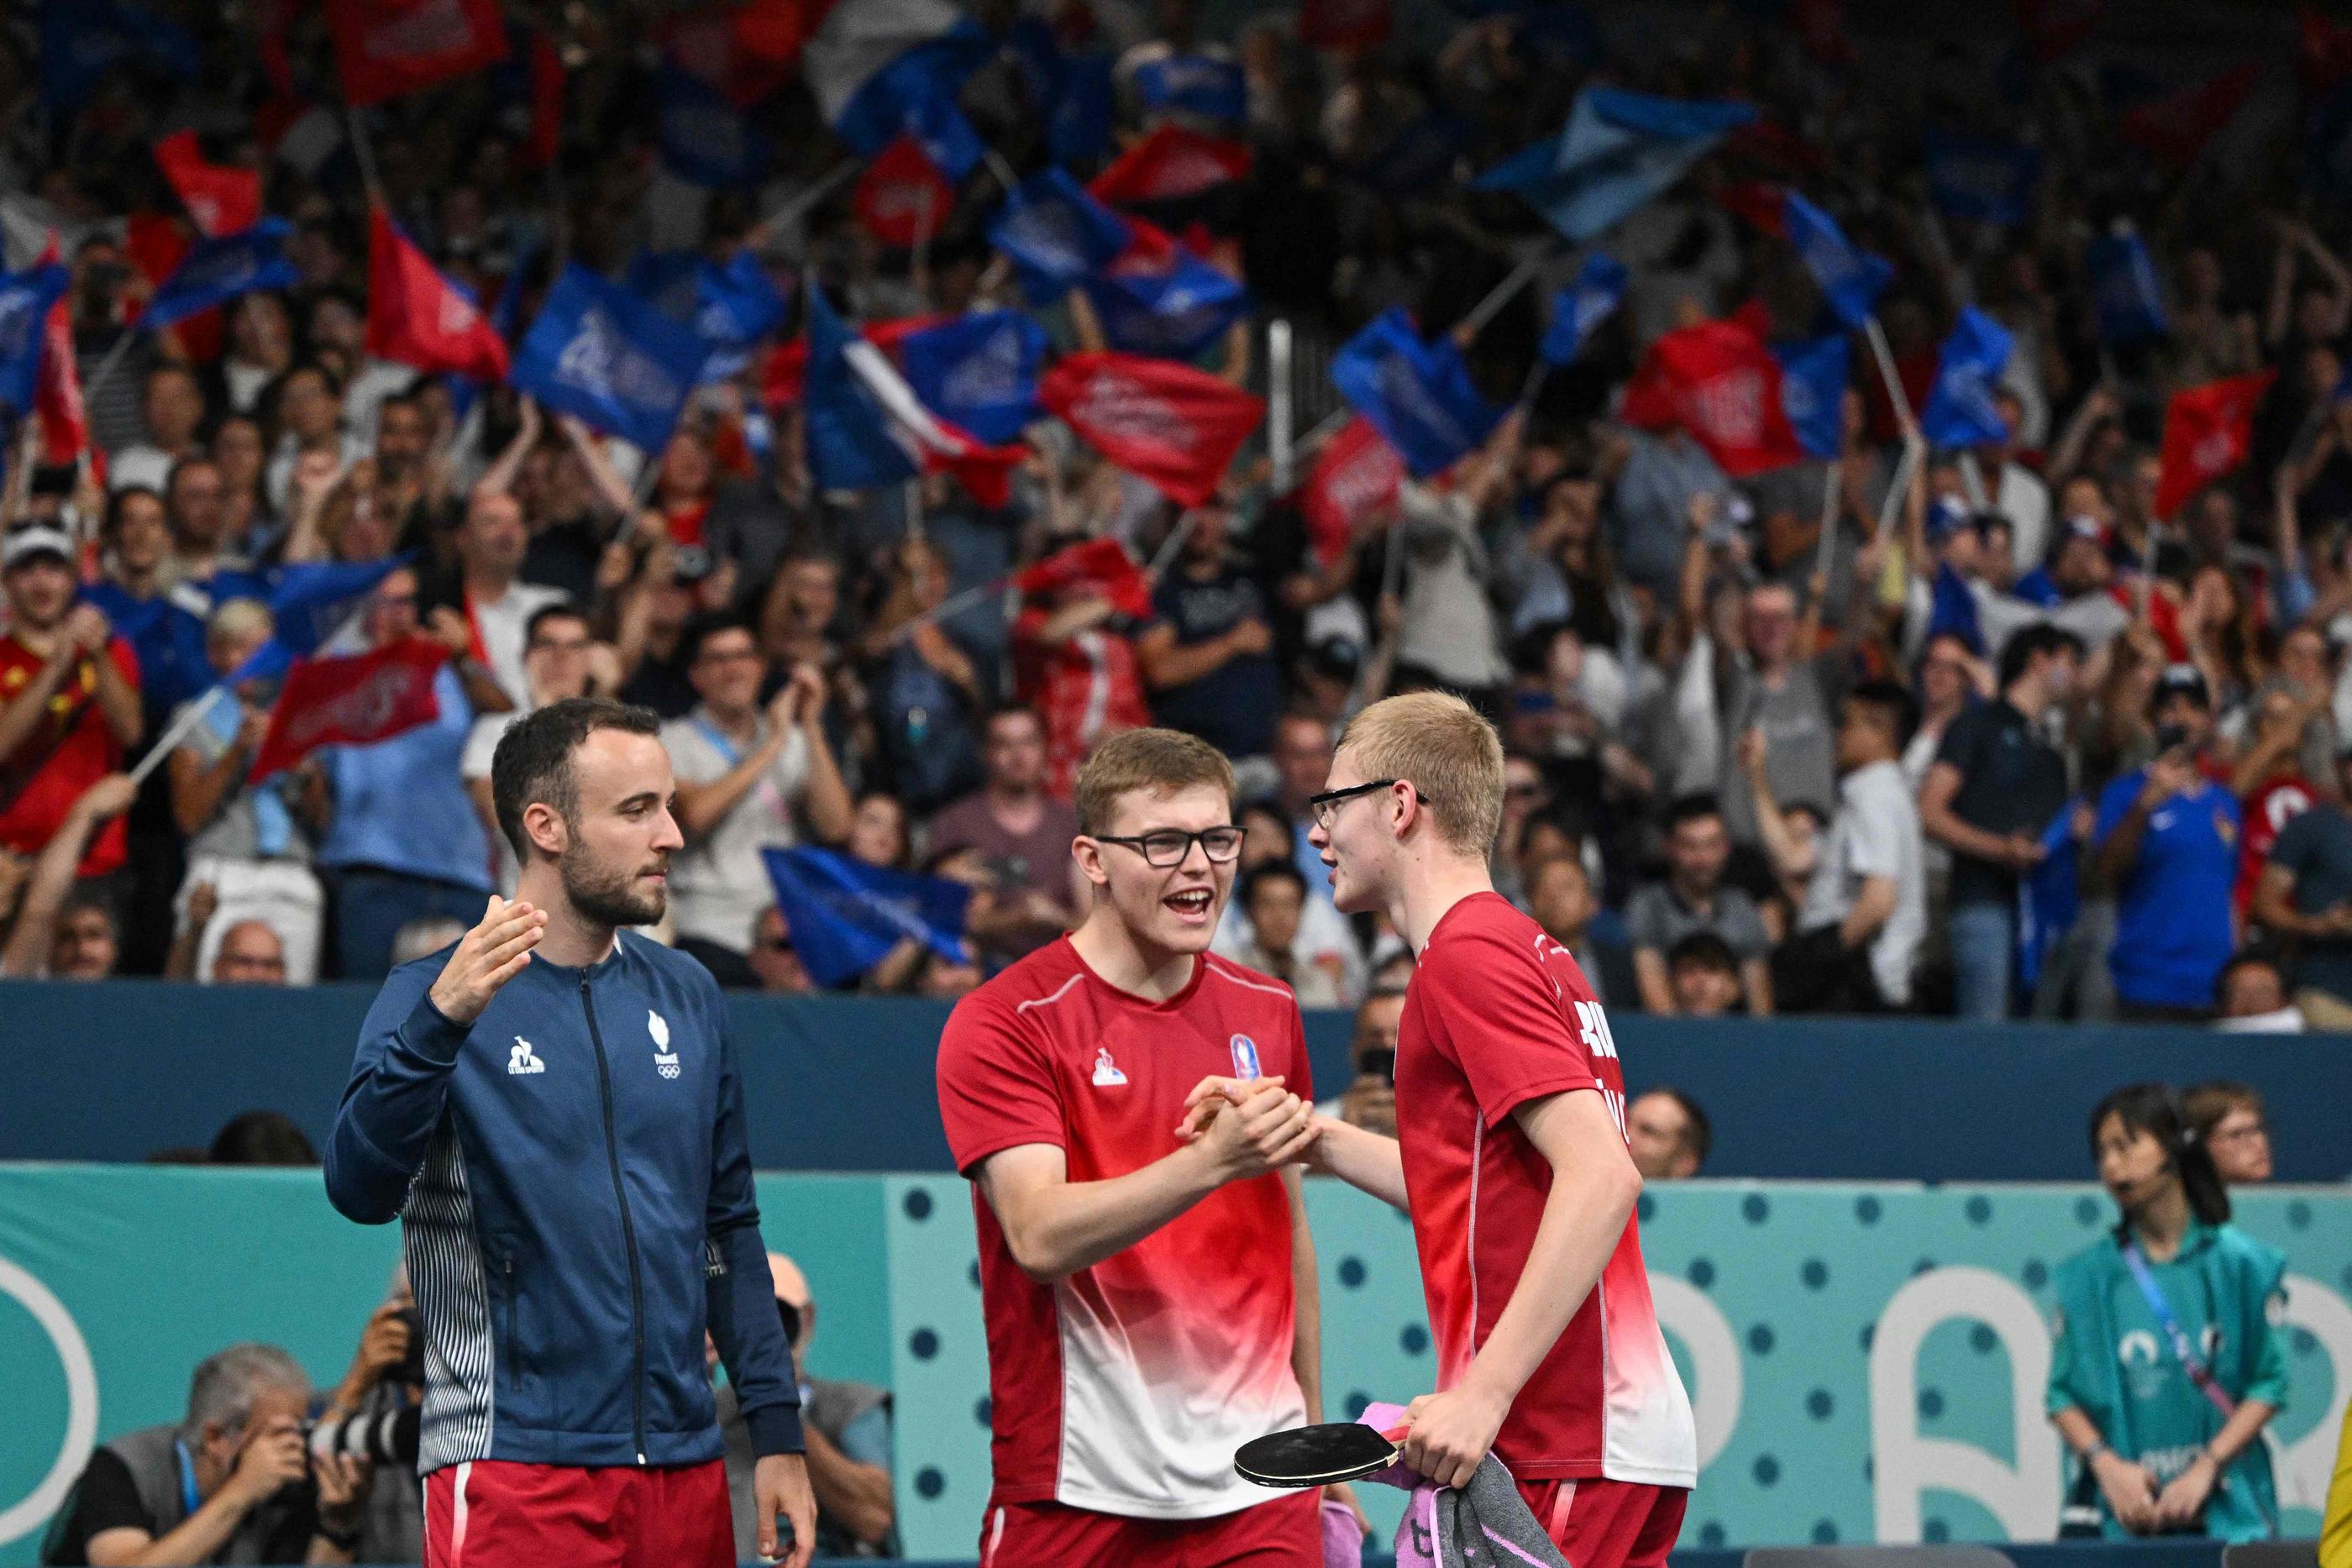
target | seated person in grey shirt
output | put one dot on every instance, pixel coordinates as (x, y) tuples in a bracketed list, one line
[(1695, 897)]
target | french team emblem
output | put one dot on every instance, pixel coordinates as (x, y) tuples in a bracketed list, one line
[(1246, 1059), (664, 1059)]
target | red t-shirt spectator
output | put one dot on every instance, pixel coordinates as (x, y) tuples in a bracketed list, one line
[(2269, 807), (1086, 687), (69, 751)]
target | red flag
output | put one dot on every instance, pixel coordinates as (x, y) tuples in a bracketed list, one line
[(1719, 382), (1161, 421), (2323, 51), (545, 136), (221, 200), (1098, 569), (273, 21), (2056, 28), (352, 701), (57, 389), (1355, 475), (2177, 126), (787, 367), (746, 53), (2207, 431), (902, 197), (1171, 164), (416, 317), (387, 48), (1343, 24)]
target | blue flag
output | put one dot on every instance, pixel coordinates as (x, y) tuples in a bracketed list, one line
[(215, 271), (25, 300), (2125, 293), (1418, 396), (1812, 391), (82, 40), (2049, 896), (705, 139), (846, 916), (1056, 234), (913, 94), (1205, 86), (1171, 310), (1960, 411), (607, 357), (1620, 150), (1971, 177), (1850, 279), (735, 306), (979, 372), (1583, 305), (850, 447), (307, 602)]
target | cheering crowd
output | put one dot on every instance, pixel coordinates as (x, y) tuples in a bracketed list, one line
[(1879, 494)]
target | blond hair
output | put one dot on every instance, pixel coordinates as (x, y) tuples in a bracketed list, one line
[(1449, 754), (1161, 760)]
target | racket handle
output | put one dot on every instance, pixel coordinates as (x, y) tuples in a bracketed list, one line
[(1398, 1434)]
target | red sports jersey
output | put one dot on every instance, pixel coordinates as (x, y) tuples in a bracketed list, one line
[(1498, 1014), (1126, 1387), (1086, 688), (2268, 807), (69, 749)]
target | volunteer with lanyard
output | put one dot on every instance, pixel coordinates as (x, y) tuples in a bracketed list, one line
[(2166, 1369)]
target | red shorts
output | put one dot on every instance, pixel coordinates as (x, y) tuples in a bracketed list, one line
[(495, 1513), (1285, 1533), (1599, 1524)]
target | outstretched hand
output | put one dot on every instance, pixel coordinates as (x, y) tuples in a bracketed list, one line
[(490, 955)]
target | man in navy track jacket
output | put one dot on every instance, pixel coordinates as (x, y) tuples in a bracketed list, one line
[(554, 1109)]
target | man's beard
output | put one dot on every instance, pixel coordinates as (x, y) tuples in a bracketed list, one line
[(609, 897)]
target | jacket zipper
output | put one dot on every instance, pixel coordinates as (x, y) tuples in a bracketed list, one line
[(628, 1229)]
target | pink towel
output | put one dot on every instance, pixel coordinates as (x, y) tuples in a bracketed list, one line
[(1343, 1538)]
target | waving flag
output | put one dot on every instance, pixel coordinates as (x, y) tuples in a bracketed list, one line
[(1849, 279), (1418, 396), (2179, 126), (419, 317), (2207, 431), (26, 300), (1169, 424), (82, 40), (866, 428), (306, 604), (1354, 476), (2125, 294), (1719, 382), (784, 376), (384, 48), (881, 68), (1576, 311), (1207, 87), (353, 700), (220, 200), (1160, 298), (215, 271), (1812, 392), (1056, 234), (735, 306), (1097, 569), (901, 197), (1171, 164), (57, 395), (845, 917), (979, 371), (1960, 411), (605, 357), (705, 139), (1618, 151), (1972, 177)]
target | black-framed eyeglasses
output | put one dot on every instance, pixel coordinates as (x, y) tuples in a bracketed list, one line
[(1325, 805), (1168, 847)]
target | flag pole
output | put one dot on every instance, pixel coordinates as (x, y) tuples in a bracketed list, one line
[(1165, 556), (364, 154), (800, 201), (1824, 550), (107, 366), (1470, 326), (1279, 410), (1532, 388), (180, 728), (914, 509), (1885, 355)]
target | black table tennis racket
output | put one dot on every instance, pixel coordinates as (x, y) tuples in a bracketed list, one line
[(1317, 1456)]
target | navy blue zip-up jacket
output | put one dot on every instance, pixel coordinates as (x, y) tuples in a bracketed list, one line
[(575, 1189)]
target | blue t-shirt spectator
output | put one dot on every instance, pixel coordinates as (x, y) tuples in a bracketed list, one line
[(401, 804), (168, 636), (2173, 931)]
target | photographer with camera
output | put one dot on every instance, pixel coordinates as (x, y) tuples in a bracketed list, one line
[(373, 1414), (234, 1482)]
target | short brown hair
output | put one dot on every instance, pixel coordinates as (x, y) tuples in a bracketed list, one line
[(2205, 1105), (1161, 760), (1441, 744)]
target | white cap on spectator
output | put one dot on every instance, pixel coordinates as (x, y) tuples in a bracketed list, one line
[(36, 539)]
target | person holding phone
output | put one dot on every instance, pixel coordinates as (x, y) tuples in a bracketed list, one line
[(2166, 845)]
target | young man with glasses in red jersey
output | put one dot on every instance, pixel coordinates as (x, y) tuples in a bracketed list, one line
[(1149, 1291)]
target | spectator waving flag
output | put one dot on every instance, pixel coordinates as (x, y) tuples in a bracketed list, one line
[(1719, 382), (2207, 431), (1975, 177), (1056, 234), (1169, 424), (1590, 299), (1206, 87), (1812, 392), (356, 699), (1172, 163), (1618, 151), (1160, 298), (846, 916), (419, 317), (866, 428), (604, 356), (881, 68), (2125, 294), (384, 48), (1097, 568), (27, 299), (705, 139), (1850, 279), (1960, 411), (1418, 396), (215, 271), (220, 200), (979, 371), (1352, 478)]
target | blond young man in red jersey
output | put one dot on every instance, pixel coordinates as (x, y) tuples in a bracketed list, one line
[(1149, 1292), (1510, 1155)]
